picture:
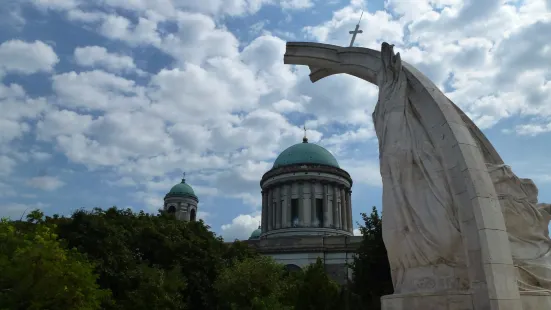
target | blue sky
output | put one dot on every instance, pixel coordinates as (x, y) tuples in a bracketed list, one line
[(107, 104)]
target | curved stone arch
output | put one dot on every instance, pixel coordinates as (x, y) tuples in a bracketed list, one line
[(292, 268), (481, 221), (368, 72)]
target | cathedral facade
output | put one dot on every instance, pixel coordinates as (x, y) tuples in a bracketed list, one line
[(306, 211)]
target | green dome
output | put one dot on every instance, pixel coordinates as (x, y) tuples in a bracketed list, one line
[(256, 234), (305, 153), (182, 189)]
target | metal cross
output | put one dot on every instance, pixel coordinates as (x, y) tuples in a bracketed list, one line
[(356, 31)]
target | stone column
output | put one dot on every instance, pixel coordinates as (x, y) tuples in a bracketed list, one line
[(344, 216), (325, 210), (283, 205), (263, 214), (304, 210), (269, 217), (336, 210), (313, 202), (349, 211), (187, 214), (328, 208), (278, 207)]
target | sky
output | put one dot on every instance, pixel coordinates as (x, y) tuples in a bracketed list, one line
[(106, 103)]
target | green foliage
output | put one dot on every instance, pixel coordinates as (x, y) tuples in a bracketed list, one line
[(238, 251), (253, 284), (150, 261), (261, 284), (317, 291), (156, 288), (38, 273), (138, 253), (371, 270)]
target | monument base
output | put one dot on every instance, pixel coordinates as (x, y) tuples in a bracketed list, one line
[(534, 300), (428, 301), (456, 301)]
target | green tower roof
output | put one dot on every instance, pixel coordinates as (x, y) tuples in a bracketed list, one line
[(305, 153), (256, 234), (182, 189)]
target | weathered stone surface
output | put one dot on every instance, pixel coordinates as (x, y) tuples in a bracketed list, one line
[(527, 224), (449, 301), (305, 244), (335, 251), (424, 132), (535, 301)]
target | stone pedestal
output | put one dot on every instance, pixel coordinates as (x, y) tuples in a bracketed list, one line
[(457, 301), (427, 301), (535, 300)]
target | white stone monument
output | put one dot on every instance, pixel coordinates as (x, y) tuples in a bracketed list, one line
[(443, 224)]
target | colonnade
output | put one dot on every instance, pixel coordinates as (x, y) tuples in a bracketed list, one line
[(299, 204)]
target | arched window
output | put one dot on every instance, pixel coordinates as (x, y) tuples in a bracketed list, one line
[(192, 215), (171, 209), (319, 212), (294, 213), (292, 267)]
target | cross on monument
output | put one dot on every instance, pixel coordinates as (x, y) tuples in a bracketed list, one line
[(356, 31)]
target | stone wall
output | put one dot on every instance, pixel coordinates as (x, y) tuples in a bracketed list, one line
[(335, 251)]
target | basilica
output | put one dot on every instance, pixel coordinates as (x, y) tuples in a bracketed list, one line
[(306, 210)]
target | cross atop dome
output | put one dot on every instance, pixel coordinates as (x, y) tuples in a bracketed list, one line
[(305, 139)]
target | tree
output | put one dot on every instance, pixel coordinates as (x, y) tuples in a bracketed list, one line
[(371, 270), (254, 284), (139, 252), (238, 251), (38, 273), (316, 291)]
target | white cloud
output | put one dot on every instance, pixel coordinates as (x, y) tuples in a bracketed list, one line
[(26, 58), (240, 227), (357, 232), (296, 4), (224, 108), (46, 183), (56, 4), (99, 57), (117, 27), (62, 122), (286, 106), (98, 90), (364, 171)]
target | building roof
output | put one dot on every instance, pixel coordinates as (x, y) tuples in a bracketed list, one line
[(305, 153), (181, 189), (256, 234)]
